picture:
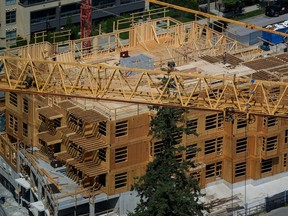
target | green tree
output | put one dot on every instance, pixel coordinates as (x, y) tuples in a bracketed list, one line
[(184, 3), (232, 5), (168, 188), (75, 29), (193, 4)]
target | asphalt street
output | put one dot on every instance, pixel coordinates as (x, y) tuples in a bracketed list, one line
[(261, 20), (278, 212)]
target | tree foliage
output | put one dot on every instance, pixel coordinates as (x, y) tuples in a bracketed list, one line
[(184, 3), (168, 188), (233, 5), (182, 15)]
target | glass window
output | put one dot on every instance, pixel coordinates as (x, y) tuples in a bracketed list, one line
[(11, 37), (10, 17), (10, 2)]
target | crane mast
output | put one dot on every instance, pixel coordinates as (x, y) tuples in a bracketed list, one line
[(86, 21), (103, 82)]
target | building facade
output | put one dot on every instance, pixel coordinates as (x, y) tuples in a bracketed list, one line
[(25, 17), (66, 152), (104, 153)]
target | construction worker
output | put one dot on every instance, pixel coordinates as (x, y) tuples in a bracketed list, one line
[(224, 58)]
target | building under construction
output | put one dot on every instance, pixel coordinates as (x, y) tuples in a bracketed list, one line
[(77, 117)]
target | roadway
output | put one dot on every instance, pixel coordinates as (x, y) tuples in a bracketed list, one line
[(278, 212), (261, 20)]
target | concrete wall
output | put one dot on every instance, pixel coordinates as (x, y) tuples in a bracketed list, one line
[(249, 39), (127, 202), (3, 26), (24, 27)]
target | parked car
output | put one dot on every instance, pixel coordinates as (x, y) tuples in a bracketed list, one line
[(277, 8)]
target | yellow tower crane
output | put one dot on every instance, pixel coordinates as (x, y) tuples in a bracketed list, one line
[(102, 82)]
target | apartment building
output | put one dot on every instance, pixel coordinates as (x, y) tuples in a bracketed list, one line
[(104, 148), (25, 17), (67, 152)]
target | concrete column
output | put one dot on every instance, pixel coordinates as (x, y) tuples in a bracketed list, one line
[(91, 207), (18, 161), (58, 16), (39, 193)]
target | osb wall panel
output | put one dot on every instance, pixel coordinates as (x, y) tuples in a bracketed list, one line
[(63, 112), (250, 149), (243, 177), (10, 106), (254, 170), (8, 152), (284, 122), (281, 161), (132, 173), (41, 101), (271, 153), (191, 139), (273, 171), (201, 145), (138, 128), (10, 130), (227, 166), (138, 152), (211, 179), (281, 141)]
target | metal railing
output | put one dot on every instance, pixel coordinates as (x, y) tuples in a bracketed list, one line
[(254, 210)]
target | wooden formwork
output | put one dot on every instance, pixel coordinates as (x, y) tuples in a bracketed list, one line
[(154, 36), (33, 51), (244, 149)]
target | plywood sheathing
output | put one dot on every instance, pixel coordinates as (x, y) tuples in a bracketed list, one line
[(272, 68), (66, 57), (88, 116), (63, 156), (66, 104), (264, 75), (89, 168), (39, 51), (87, 143), (283, 57), (49, 139), (230, 59), (264, 63), (65, 131), (210, 59), (49, 113)]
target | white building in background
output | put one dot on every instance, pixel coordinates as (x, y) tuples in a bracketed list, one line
[(25, 17)]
